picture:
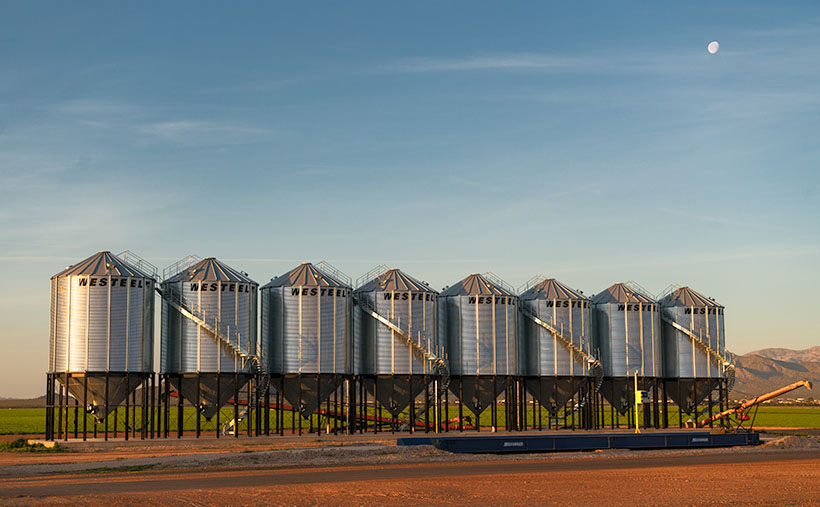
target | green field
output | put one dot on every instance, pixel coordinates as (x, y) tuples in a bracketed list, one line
[(19, 421)]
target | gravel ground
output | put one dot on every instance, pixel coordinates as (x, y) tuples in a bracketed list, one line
[(760, 476), (232, 455)]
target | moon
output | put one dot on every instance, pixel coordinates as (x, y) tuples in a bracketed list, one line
[(713, 47)]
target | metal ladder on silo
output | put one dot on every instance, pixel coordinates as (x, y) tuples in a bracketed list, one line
[(718, 359), (436, 363), (577, 352), (223, 338)]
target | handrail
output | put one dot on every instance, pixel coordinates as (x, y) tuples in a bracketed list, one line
[(228, 337), (725, 360), (138, 262), (594, 365), (179, 266), (672, 287), (497, 280), (334, 272), (436, 363), (532, 282), (223, 338), (372, 275), (715, 356), (636, 287)]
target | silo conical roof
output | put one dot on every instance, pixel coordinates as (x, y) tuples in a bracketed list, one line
[(305, 275), (102, 264), (551, 288), (684, 296), (210, 269), (620, 293), (476, 285), (394, 279)]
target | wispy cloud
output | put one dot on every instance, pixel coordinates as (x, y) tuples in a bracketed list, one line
[(513, 61), (130, 122), (253, 86), (192, 131), (95, 108), (807, 27), (48, 204), (716, 219), (749, 252), (659, 61), (754, 104), (747, 53)]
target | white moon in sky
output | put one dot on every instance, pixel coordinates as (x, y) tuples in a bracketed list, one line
[(713, 47)]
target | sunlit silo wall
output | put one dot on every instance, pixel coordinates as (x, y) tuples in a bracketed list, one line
[(101, 329), (478, 322), (566, 310), (381, 356), (628, 338), (694, 345), (197, 356), (552, 315), (306, 333)]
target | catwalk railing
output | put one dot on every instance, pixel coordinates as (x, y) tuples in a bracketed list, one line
[(228, 338), (436, 363), (722, 361), (579, 354)]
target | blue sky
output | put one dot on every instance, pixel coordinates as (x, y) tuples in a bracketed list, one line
[(596, 143)]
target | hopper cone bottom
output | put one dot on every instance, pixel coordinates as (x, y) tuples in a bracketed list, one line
[(618, 392), (394, 392), (207, 389), (686, 395), (553, 392), (477, 393), (120, 385), (307, 392)]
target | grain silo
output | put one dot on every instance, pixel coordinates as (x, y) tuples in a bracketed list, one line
[(556, 344), (478, 323), (208, 332), (396, 349), (101, 338), (629, 341), (306, 334), (695, 358)]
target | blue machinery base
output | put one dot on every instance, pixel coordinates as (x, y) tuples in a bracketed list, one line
[(583, 442)]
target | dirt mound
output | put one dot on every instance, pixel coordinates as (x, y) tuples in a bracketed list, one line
[(794, 442)]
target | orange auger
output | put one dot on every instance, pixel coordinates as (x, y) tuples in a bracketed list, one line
[(754, 401)]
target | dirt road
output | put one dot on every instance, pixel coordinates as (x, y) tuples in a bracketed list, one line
[(766, 476)]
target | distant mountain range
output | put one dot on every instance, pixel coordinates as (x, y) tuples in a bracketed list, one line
[(765, 370), (793, 356)]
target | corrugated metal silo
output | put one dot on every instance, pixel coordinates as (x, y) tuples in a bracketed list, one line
[(629, 340), (306, 333), (391, 310), (556, 342), (695, 357), (209, 315), (101, 339), (478, 322)]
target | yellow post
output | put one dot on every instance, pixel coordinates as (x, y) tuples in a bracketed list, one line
[(637, 400)]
